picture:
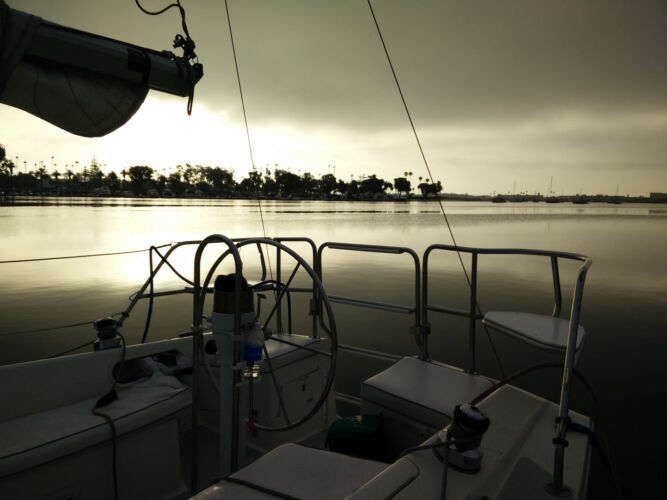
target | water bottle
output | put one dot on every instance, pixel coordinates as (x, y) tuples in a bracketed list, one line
[(253, 340)]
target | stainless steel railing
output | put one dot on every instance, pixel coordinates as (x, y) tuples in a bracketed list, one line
[(474, 313), (413, 309)]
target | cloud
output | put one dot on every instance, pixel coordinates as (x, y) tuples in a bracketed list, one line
[(496, 89)]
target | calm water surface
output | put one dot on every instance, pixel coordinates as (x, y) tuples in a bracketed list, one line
[(623, 312)]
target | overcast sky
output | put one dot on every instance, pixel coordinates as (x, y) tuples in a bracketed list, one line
[(500, 92)]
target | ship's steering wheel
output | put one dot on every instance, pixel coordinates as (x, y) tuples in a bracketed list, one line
[(327, 347)]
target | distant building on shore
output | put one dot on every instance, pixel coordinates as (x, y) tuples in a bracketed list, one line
[(658, 196)]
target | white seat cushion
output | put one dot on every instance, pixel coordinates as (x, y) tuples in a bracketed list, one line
[(544, 331), (298, 471), (423, 391), (34, 439)]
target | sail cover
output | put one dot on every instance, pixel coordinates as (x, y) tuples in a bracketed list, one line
[(86, 103)]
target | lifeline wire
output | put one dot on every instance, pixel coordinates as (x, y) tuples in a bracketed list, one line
[(428, 169), (247, 130), (79, 256)]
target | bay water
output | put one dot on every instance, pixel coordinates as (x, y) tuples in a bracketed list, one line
[(624, 308)]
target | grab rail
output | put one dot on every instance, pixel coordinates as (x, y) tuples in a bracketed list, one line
[(394, 250)]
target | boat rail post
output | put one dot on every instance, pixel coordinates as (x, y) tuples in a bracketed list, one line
[(424, 305), (473, 314), (558, 298), (557, 486)]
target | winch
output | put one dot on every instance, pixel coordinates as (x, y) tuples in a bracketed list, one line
[(464, 434)]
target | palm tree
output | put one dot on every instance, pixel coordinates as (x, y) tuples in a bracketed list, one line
[(41, 173)]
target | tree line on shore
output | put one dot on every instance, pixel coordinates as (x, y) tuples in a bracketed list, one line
[(202, 181)]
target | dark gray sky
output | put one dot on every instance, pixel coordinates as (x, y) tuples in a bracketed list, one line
[(499, 91)]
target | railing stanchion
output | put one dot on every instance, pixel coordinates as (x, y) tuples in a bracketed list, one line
[(473, 314), (279, 310), (558, 298)]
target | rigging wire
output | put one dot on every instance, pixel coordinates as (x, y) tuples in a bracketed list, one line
[(247, 132), (59, 327), (47, 329), (428, 169), (64, 257)]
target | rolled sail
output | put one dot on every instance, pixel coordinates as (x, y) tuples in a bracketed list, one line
[(83, 83)]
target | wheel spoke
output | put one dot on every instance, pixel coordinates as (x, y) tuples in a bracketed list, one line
[(275, 384), (280, 296), (299, 346)]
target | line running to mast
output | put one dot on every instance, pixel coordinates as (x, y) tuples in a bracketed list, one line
[(247, 132), (428, 169)]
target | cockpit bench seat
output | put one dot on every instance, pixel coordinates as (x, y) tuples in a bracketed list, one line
[(35, 439), (418, 395), (298, 471)]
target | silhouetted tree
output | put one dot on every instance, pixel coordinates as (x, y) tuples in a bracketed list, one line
[(288, 183), (140, 176), (112, 182), (374, 185), (427, 188), (327, 184), (402, 185)]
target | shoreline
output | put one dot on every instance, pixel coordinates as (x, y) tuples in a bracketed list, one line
[(34, 199)]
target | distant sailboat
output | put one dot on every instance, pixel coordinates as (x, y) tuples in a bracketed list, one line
[(580, 199), (616, 200), (551, 198)]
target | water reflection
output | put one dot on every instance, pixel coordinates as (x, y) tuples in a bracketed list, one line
[(623, 310)]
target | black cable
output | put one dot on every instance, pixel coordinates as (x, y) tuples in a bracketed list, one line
[(150, 297), (157, 12), (106, 400), (165, 9), (187, 44), (428, 169), (114, 452), (90, 342), (604, 430)]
